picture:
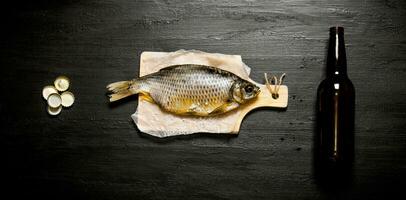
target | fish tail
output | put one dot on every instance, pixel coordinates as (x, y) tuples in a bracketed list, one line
[(122, 89)]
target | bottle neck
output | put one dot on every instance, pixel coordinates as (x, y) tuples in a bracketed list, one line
[(336, 57)]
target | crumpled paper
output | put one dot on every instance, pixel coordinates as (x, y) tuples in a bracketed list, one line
[(150, 119)]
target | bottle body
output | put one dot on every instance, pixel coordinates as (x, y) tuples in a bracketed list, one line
[(336, 105), (335, 111)]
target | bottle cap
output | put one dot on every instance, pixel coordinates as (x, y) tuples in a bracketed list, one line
[(48, 90), (61, 83), (67, 99), (54, 100), (54, 111)]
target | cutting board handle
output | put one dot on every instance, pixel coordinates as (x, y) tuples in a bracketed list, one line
[(264, 99)]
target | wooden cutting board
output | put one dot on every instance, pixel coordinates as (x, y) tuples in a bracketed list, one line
[(150, 119)]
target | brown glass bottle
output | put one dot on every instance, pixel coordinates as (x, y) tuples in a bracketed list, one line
[(335, 110)]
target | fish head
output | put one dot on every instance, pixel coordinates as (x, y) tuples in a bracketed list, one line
[(243, 91)]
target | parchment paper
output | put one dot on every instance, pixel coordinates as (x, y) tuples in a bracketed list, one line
[(150, 119)]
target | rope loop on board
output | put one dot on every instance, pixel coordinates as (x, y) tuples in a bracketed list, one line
[(275, 84)]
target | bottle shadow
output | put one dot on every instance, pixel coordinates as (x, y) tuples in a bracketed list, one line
[(334, 181)]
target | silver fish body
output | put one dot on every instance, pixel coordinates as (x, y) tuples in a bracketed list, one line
[(189, 90)]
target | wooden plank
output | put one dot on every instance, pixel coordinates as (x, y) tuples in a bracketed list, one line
[(94, 151)]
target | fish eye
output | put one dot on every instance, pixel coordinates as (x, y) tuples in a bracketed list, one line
[(249, 89)]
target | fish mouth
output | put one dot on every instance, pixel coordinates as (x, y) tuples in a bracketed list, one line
[(257, 90)]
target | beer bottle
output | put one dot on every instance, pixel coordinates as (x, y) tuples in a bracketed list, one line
[(335, 111)]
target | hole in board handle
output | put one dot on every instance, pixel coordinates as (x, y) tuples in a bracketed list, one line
[(275, 95)]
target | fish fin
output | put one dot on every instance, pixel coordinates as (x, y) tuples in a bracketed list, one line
[(225, 108), (122, 89), (147, 97), (118, 86), (118, 96), (192, 110)]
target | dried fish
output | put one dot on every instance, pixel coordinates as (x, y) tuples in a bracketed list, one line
[(189, 90)]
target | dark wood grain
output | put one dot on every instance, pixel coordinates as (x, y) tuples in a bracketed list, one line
[(94, 150)]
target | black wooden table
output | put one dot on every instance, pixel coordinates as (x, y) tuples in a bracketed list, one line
[(94, 150)]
